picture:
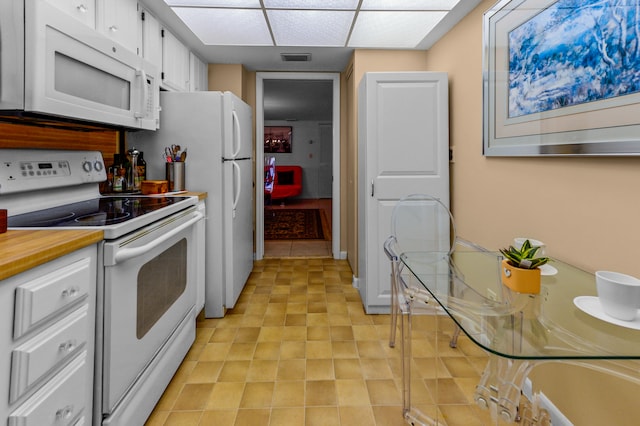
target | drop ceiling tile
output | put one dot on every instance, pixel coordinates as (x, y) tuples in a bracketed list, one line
[(400, 30), (227, 27), (408, 5), (310, 27), (215, 3), (311, 4)]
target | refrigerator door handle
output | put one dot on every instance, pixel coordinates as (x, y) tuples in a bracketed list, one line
[(238, 182), (238, 136)]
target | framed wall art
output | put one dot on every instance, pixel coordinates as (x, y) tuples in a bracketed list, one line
[(277, 139), (561, 77)]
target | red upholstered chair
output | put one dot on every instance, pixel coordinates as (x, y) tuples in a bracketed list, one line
[(288, 182)]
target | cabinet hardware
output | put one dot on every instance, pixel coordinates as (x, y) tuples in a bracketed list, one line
[(70, 292)]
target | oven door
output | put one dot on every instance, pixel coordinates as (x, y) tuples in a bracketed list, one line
[(149, 288)]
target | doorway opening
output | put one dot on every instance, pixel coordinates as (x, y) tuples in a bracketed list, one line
[(306, 105)]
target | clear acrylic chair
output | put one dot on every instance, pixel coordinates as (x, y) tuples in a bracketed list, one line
[(419, 223)]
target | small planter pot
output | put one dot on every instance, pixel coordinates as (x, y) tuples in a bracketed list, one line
[(520, 280)]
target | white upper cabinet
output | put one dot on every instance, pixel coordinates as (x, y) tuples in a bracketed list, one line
[(199, 74), (175, 63), (118, 20), (151, 33), (82, 10)]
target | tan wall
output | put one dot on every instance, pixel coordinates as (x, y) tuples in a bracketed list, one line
[(585, 209), (229, 77), (361, 62)]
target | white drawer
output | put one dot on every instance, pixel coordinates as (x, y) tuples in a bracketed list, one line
[(41, 354), (49, 294), (58, 403)]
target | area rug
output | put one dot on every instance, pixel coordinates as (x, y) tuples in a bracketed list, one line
[(293, 224)]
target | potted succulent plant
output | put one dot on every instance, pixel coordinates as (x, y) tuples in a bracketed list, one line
[(520, 269)]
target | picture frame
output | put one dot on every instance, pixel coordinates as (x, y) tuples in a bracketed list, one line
[(551, 89), (278, 139)]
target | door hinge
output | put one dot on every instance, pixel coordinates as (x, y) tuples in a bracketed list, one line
[(162, 33), (142, 16), (162, 75)]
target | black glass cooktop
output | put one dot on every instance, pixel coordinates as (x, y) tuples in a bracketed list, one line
[(101, 211)]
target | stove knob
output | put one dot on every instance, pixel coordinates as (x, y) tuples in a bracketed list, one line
[(98, 166), (86, 166)]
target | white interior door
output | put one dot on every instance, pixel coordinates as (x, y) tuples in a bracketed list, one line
[(403, 149)]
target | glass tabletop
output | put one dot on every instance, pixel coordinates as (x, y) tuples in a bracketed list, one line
[(562, 322)]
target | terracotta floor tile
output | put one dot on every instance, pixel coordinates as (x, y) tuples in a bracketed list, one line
[(318, 333), (384, 392), (262, 370), (288, 416), (345, 349), (225, 396), (257, 395), (194, 396), (292, 349), (362, 415), (320, 369), (205, 372), (320, 392), (322, 416), (352, 393), (234, 371), (292, 369), (347, 369), (289, 393), (253, 416), (218, 417), (183, 418)]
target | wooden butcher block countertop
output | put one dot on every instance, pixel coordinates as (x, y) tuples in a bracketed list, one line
[(21, 250)]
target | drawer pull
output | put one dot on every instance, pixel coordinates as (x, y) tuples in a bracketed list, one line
[(82, 8), (113, 28), (71, 292), (64, 413), (67, 346)]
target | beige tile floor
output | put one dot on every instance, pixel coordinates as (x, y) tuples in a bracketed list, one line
[(298, 349)]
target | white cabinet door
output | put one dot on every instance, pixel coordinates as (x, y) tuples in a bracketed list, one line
[(175, 63), (82, 10), (198, 74), (403, 149), (118, 20), (151, 39)]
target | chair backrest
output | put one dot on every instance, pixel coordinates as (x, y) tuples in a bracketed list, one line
[(269, 173), (422, 223)]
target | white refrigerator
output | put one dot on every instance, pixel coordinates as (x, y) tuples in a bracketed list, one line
[(216, 130)]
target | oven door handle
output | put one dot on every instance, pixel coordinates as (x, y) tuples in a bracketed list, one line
[(129, 253)]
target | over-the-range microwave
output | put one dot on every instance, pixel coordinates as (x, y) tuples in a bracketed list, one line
[(55, 65)]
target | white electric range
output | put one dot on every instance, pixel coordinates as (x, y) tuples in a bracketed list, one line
[(147, 269)]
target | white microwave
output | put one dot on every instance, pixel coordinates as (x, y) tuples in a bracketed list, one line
[(53, 64)]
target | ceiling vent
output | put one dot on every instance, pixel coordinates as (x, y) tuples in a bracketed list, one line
[(296, 57)]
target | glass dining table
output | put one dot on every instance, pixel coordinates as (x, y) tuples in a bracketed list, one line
[(564, 323)]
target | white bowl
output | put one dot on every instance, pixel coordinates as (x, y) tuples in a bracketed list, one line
[(619, 294)]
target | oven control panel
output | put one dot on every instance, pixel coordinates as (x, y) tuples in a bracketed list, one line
[(24, 170)]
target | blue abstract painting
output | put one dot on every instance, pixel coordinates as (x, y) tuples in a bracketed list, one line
[(574, 52)]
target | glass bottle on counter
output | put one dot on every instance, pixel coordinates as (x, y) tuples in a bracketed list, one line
[(119, 174), (142, 169), (133, 171)]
